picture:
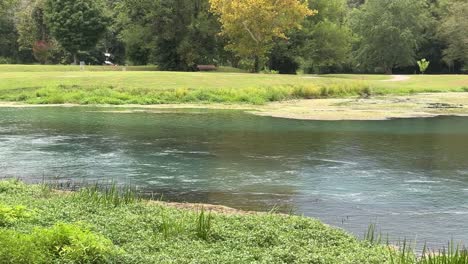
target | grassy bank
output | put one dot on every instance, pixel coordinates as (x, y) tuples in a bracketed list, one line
[(63, 84), (38, 225)]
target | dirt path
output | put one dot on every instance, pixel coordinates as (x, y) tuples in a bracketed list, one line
[(397, 78)]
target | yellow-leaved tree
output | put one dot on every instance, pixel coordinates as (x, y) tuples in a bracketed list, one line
[(252, 25)]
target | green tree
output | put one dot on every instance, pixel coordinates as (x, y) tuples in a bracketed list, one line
[(8, 33), (252, 26), (33, 33), (6, 5), (321, 45), (388, 32), (453, 30), (174, 34), (326, 39), (76, 24)]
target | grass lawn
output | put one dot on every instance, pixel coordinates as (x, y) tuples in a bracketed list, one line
[(40, 225), (98, 85)]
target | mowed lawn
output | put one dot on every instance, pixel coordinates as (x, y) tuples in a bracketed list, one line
[(138, 85)]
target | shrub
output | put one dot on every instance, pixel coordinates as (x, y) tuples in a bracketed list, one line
[(63, 243), (75, 244), (4, 60), (20, 248), (12, 186), (11, 215)]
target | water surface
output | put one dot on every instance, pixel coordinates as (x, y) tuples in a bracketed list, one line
[(410, 176)]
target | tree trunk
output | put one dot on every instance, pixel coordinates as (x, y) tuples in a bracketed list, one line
[(256, 64), (388, 71), (75, 59)]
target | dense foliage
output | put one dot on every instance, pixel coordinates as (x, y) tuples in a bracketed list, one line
[(320, 36)]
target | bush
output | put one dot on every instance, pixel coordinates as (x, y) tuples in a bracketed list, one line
[(20, 248), (12, 186), (11, 215), (75, 244), (4, 60), (63, 243), (268, 71)]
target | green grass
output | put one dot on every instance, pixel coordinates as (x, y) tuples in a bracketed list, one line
[(96, 85), (112, 225), (71, 68), (84, 227)]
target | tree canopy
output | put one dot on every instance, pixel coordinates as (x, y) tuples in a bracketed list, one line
[(251, 26), (389, 32), (76, 24), (453, 30), (312, 36)]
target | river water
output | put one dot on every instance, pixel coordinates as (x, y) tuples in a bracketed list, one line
[(409, 176)]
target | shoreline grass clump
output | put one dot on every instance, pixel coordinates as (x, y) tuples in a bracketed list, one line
[(404, 252), (108, 195), (75, 94)]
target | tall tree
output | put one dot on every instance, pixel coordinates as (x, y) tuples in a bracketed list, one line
[(76, 24), (252, 26), (33, 33), (174, 34), (322, 44), (389, 32), (453, 30), (326, 39), (8, 33)]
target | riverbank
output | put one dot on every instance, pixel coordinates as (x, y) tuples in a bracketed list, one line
[(40, 225), (61, 85), (376, 108)]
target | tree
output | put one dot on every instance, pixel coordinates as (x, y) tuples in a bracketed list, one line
[(325, 38), (423, 65), (323, 44), (174, 34), (6, 5), (76, 24), (453, 30), (8, 33), (389, 32), (33, 33), (252, 26)]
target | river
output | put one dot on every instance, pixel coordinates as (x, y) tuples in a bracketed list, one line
[(409, 176)]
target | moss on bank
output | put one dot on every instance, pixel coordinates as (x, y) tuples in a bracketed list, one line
[(46, 226)]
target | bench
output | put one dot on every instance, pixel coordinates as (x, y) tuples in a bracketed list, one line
[(206, 67)]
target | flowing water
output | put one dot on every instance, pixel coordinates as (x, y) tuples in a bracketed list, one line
[(410, 176)]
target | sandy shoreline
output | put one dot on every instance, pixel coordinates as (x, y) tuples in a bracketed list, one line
[(376, 108)]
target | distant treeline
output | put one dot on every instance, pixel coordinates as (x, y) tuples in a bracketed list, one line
[(289, 36)]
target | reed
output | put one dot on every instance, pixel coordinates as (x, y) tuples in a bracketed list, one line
[(405, 253), (203, 224), (108, 195)]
